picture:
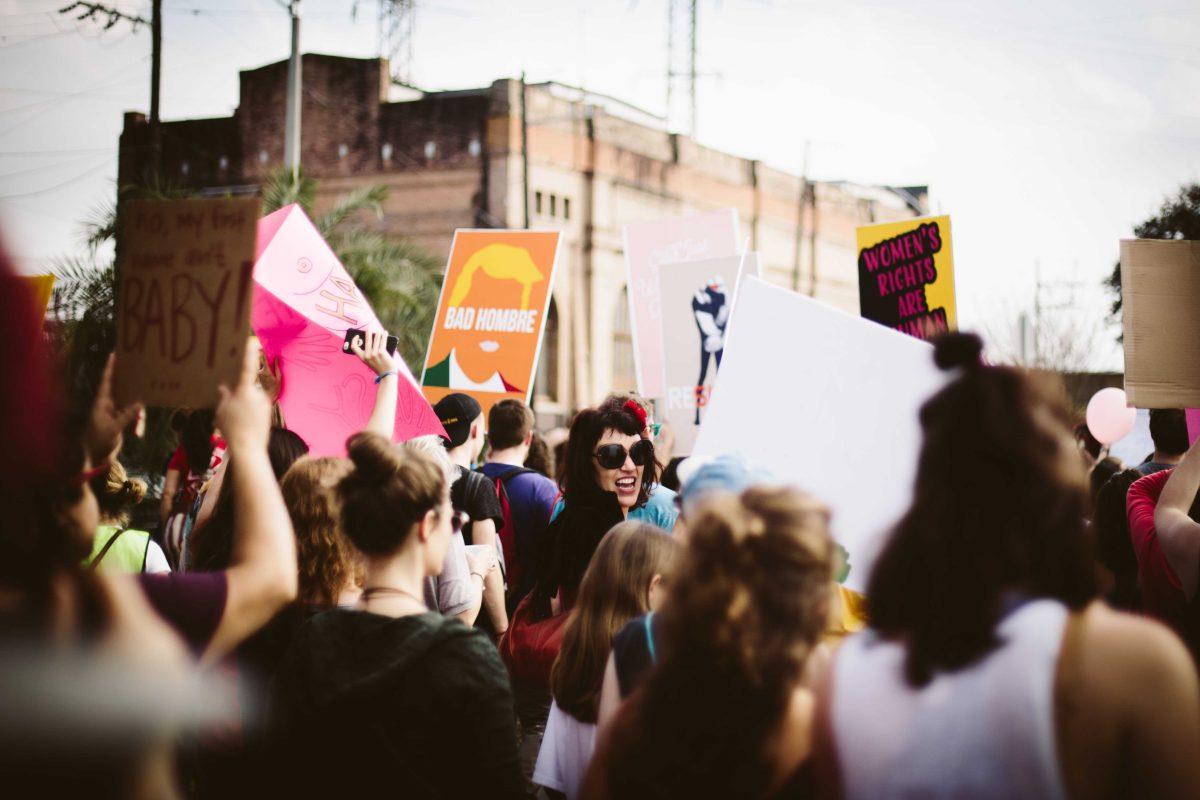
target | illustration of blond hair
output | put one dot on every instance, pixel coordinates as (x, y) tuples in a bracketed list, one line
[(502, 262)]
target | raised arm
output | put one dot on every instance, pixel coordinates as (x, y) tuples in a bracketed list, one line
[(1179, 534), (375, 355), (262, 576), (170, 487)]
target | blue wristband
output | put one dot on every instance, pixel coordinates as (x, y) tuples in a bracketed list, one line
[(383, 375)]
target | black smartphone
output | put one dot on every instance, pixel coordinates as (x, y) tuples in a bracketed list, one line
[(392, 341)]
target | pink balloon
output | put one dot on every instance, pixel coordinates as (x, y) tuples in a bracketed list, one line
[(1108, 417)]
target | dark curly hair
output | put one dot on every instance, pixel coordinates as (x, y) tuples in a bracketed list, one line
[(994, 512), (748, 602)]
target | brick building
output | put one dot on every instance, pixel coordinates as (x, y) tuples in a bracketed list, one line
[(454, 159)]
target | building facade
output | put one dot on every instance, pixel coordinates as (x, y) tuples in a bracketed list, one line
[(557, 156)]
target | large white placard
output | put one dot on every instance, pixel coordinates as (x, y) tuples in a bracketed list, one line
[(826, 401)]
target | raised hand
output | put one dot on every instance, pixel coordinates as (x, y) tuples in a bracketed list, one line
[(106, 422), (244, 414), (374, 352), (270, 377)]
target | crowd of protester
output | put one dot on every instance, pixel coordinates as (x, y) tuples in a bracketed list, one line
[(507, 613)]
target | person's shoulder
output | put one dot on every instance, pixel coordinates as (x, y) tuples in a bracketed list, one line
[(465, 656), (662, 496), (632, 634), (1126, 650)]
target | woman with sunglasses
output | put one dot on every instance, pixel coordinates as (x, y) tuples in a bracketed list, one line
[(611, 471), (390, 694)]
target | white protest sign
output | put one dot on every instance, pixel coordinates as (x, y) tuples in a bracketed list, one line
[(666, 241), (696, 301), (827, 401)]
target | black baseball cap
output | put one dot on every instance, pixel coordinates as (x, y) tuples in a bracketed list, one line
[(457, 411)]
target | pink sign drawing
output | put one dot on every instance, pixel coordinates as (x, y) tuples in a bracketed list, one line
[(648, 245), (304, 302)]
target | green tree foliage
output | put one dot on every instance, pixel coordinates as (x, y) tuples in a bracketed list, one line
[(1178, 218)]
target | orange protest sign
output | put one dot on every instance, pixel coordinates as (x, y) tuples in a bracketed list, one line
[(184, 312), (487, 333)]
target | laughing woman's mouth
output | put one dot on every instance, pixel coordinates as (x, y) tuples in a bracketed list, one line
[(626, 485)]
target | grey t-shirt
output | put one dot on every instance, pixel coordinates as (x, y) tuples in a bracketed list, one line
[(452, 592)]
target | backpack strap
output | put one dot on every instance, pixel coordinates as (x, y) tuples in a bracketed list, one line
[(508, 474), (95, 562)]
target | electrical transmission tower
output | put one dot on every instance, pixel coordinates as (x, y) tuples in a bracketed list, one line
[(681, 62), (396, 18)]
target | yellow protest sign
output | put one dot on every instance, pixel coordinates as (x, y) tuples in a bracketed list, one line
[(906, 275), (43, 286)]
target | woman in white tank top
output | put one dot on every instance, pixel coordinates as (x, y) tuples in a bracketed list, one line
[(986, 673)]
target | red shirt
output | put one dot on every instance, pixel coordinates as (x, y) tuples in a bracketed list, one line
[(1162, 593)]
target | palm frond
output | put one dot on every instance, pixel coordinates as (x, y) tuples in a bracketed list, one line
[(368, 198), (283, 190), (100, 227)]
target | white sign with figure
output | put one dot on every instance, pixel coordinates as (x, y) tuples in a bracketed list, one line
[(649, 245), (696, 302)]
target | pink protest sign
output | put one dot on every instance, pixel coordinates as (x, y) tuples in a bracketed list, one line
[(304, 302), (648, 245)]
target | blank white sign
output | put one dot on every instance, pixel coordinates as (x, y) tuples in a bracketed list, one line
[(827, 401)]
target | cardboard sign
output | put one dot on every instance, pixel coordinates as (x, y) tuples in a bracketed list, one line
[(304, 302), (826, 401), (1160, 290), (697, 299), (906, 276), (487, 334), (648, 245), (184, 311)]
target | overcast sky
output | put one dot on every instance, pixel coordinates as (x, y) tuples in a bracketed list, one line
[(1046, 128)]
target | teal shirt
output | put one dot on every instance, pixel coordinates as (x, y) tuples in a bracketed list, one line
[(659, 509)]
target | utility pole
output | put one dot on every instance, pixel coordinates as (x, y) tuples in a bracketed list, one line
[(801, 199), (692, 74), (291, 136), (155, 87), (811, 188), (524, 153)]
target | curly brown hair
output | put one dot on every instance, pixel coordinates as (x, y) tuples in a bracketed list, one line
[(749, 602), (328, 562)]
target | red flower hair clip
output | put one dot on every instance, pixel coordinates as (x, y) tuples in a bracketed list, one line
[(635, 408)]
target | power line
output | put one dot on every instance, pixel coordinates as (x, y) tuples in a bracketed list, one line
[(85, 174)]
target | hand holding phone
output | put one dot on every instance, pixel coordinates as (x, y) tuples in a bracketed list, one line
[(375, 349)]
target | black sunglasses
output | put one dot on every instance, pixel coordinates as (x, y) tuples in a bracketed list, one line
[(612, 456)]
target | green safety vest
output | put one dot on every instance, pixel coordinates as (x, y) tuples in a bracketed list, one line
[(118, 550)]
